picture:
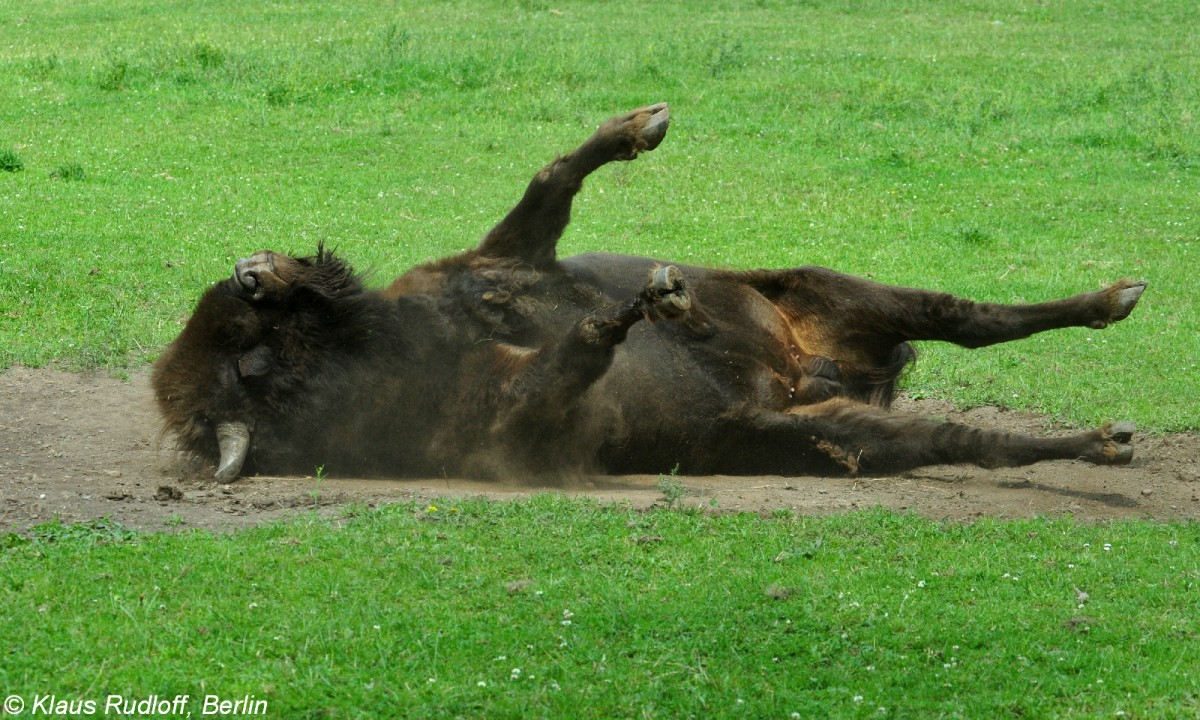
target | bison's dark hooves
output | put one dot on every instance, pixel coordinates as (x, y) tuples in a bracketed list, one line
[(1121, 432), (1121, 455), (637, 131), (668, 292), (1114, 444), (655, 129), (1127, 299), (1124, 298)]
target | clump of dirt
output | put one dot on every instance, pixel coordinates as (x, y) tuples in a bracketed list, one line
[(83, 446)]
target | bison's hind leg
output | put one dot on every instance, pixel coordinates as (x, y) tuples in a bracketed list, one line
[(839, 436)]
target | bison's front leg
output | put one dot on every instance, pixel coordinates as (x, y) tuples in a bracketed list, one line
[(531, 230), (843, 436), (548, 421)]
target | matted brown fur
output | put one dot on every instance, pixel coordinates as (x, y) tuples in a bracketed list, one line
[(507, 362)]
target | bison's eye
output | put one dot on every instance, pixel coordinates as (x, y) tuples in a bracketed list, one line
[(257, 361)]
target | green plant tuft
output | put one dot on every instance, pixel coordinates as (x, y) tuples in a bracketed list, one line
[(70, 171), (10, 161)]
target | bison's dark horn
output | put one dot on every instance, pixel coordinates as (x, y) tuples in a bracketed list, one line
[(234, 440)]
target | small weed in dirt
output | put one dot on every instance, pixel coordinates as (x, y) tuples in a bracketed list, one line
[(671, 488), (315, 493)]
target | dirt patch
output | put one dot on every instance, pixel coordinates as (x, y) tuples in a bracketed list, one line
[(79, 447)]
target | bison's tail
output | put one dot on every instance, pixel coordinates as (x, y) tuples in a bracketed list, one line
[(883, 380)]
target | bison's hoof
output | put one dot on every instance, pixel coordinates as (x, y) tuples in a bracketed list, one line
[(1121, 432), (1125, 296), (1127, 299), (655, 129), (1115, 448), (635, 132), (668, 292)]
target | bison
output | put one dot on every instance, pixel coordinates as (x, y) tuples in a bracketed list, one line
[(507, 362)]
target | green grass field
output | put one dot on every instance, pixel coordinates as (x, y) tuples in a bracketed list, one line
[(1004, 150), (563, 609)]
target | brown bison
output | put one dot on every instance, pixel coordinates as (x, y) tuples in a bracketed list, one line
[(505, 361)]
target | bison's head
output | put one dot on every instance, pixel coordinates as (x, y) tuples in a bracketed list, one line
[(249, 348)]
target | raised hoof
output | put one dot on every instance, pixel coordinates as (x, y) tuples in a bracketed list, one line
[(1127, 299), (637, 131), (1125, 296), (668, 293), (655, 129)]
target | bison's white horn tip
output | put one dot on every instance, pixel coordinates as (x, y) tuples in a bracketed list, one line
[(234, 440)]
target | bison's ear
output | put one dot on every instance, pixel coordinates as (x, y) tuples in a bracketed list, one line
[(256, 362)]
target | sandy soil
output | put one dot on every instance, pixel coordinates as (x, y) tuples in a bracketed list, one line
[(79, 447)]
